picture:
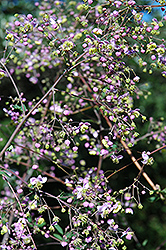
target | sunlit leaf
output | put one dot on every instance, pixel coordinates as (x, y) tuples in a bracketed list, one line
[(59, 229)]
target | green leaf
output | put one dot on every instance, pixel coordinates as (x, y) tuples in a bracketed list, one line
[(69, 235), (144, 243), (9, 149), (41, 225), (152, 199), (4, 173), (59, 237), (59, 229), (163, 191), (16, 106)]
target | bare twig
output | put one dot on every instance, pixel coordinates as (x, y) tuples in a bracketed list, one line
[(161, 245), (13, 173), (148, 135), (6, 235), (151, 6), (99, 164), (15, 86), (137, 164), (41, 171), (21, 211)]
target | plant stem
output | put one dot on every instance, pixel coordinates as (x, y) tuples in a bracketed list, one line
[(29, 113), (134, 160), (39, 102), (15, 86), (21, 211)]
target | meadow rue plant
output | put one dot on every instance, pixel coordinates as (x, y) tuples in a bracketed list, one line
[(80, 55)]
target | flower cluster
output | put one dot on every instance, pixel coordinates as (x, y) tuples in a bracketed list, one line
[(97, 216)]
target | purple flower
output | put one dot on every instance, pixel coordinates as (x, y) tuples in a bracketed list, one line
[(136, 79), (17, 23), (57, 149), (134, 37), (149, 29), (118, 3), (131, 3), (153, 57), (19, 191), (56, 108), (115, 13), (29, 16), (104, 209), (90, 1), (91, 205), (80, 190), (110, 222), (129, 236), (67, 112), (63, 243), (163, 73), (103, 59), (69, 200), (95, 89), (116, 158), (88, 239), (37, 145), (67, 142), (40, 29), (103, 152), (156, 27), (53, 23), (46, 235), (75, 148), (145, 157), (129, 210), (35, 166), (127, 196), (85, 204), (39, 179)]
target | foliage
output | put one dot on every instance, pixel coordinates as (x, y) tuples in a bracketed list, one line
[(84, 57)]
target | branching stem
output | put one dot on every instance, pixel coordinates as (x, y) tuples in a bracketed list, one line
[(37, 104)]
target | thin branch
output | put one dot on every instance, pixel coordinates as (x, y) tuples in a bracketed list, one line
[(46, 108), (161, 245), (134, 160), (120, 169), (137, 164), (13, 173), (39, 102), (158, 149), (48, 244), (151, 6), (99, 164), (148, 134), (41, 171), (29, 113), (21, 211), (15, 86), (6, 235)]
